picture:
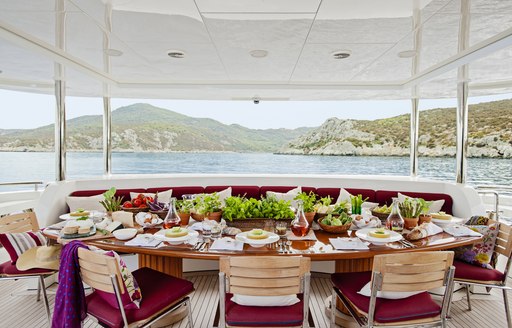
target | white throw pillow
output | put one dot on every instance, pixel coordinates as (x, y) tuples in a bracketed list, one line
[(283, 300), (91, 203), (163, 196), (345, 196), (288, 196), (367, 291), (224, 194), (435, 207)]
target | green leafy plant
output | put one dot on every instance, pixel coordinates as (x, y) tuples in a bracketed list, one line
[(410, 208), (207, 203), (341, 207), (243, 208), (184, 206), (308, 201), (425, 205), (111, 203)]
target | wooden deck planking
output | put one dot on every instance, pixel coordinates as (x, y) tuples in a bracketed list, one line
[(20, 309)]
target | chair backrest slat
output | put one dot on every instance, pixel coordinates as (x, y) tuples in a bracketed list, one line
[(96, 270), (504, 240), (21, 222), (265, 275), (414, 271)]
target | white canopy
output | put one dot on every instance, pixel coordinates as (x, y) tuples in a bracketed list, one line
[(245, 49)]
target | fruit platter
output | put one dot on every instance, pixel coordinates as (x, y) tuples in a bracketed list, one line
[(336, 224)]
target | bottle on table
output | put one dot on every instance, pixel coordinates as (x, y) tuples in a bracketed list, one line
[(300, 226), (395, 222), (172, 219)]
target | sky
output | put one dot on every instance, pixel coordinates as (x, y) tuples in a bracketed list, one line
[(28, 110)]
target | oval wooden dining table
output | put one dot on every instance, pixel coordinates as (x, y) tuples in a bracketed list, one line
[(169, 258)]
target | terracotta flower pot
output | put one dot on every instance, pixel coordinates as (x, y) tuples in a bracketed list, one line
[(310, 216), (215, 216), (425, 218), (184, 217), (410, 223)]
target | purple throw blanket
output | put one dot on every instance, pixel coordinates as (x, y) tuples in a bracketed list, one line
[(70, 307)]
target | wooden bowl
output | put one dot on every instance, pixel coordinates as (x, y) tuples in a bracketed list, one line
[(134, 210), (382, 216), (335, 229)]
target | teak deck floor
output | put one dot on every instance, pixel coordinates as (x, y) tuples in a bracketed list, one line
[(18, 307)]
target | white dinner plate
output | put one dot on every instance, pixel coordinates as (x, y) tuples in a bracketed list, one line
[(242, 236), (92, 215), (160, 235), (444, 223), (364, 234)]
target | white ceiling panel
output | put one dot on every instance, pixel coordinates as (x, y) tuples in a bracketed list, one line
[(317, 64), (258, 6), (147, 27), (36, 68), (200, 63), (283, 36)]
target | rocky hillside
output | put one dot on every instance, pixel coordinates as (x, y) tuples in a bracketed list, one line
[(145, 128), (490, 134)]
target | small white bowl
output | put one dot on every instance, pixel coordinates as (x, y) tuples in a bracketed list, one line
[(125, 234)]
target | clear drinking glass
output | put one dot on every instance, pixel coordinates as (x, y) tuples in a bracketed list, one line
[(281, 228)]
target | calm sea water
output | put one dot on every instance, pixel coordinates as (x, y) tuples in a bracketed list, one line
[(41, 166)]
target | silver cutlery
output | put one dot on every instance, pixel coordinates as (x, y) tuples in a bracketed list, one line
[(199, 245), (288, 249)]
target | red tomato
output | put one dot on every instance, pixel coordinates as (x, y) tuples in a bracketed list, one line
[(149, 199), (143, 206), (127, 204), (137, 202), (141, 196)]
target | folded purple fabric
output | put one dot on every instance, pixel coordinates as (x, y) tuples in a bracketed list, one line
[(70, 306)]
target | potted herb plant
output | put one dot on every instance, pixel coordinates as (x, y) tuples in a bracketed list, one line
[(425, 207), (308, 203), (183, 207), (111, 203), (410, 210), (250, 213), (207, 206)]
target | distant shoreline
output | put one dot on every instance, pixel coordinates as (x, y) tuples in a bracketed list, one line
[(233, 152)]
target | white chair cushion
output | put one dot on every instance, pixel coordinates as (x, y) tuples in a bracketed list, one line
[(283, 300), (366, 291)]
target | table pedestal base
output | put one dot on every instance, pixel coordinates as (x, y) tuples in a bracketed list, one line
[(173, 317), (342, 319)]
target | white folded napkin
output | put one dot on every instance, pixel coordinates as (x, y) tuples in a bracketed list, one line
[(348, 243), (227, 244), (432, 229), (143, 240), (309, 236), (198, 226), (461, 231)]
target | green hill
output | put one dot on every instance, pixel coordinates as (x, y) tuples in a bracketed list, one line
[(142, 127), (489, 134)]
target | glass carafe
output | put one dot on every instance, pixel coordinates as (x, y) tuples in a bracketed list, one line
[(300, 226), (172, 219), (395, 222)]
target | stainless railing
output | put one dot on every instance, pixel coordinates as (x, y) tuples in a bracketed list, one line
[(35, 183), (496, 191)]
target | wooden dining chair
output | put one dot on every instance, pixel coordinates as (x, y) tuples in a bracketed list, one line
[(471, 275), (161, 293), (24, 222), (266, 276), (407, 272)]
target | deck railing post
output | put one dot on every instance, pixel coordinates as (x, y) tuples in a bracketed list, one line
[(462, 96), (415, 118), (107, 136), (60, 95)]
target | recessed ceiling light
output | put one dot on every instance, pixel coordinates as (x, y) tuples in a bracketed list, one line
[(407, 54), (113, 52), (258, 53), (341, 54), (176, 54)]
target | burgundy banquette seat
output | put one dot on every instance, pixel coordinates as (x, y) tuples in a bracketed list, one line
[(377, 196)]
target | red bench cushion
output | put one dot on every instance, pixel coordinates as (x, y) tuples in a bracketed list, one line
[(158, 290), (466, 271), (9, 269), (283, 189), (415, 307), (263, 316), (125, 193)]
